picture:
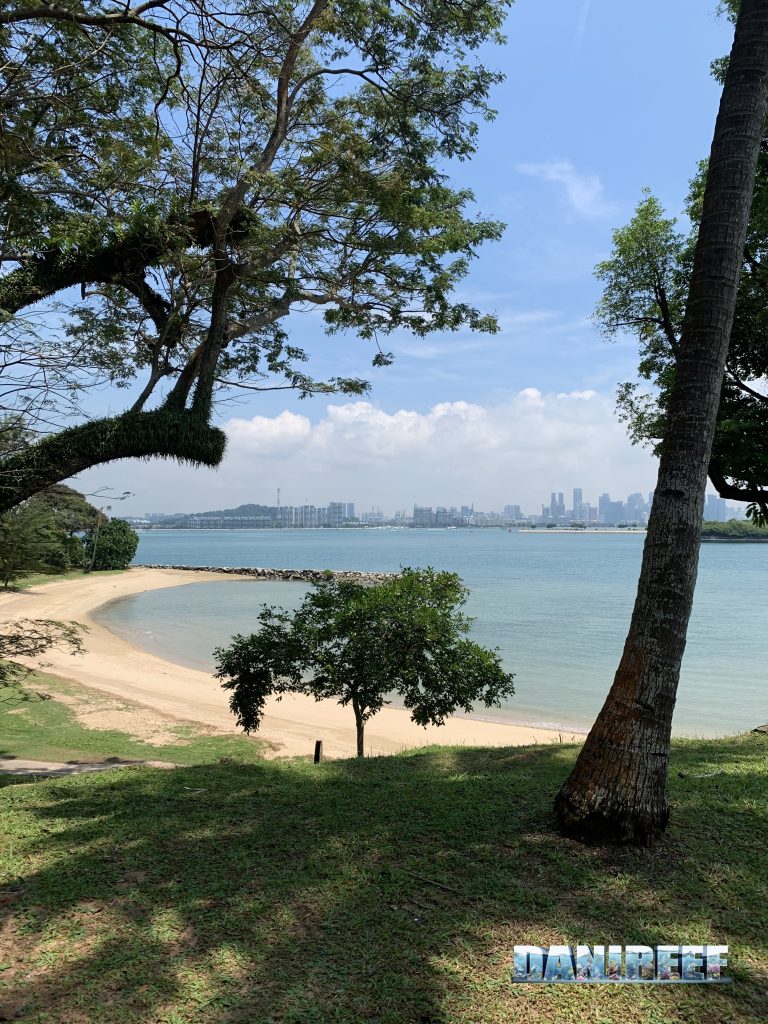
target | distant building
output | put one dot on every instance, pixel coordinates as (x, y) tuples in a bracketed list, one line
[(372, 518), (715, 509), (615, 513), (636, 508), (578, 503), (423, 516), (337, 513)]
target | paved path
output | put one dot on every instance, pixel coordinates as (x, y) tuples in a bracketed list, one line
[(52, 769)]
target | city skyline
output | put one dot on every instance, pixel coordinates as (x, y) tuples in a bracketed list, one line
[(608, 512)]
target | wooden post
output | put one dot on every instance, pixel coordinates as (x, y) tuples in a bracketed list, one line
[(318, 751)]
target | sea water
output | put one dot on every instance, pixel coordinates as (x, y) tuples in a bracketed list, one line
[(557, 606)]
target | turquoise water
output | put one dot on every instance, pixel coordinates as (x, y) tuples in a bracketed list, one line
[(557, 606)]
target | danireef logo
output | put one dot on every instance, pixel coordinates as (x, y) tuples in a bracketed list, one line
[(688, 964)]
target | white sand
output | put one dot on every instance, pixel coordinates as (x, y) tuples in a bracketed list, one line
[(114, 666)]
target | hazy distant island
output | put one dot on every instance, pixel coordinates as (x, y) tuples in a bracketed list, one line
[(734, 530)]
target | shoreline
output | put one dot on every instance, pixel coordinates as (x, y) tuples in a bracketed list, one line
[(293, 723)]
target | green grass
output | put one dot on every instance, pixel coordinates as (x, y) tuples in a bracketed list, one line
[(36, 578), (385, 891), (47, 730)]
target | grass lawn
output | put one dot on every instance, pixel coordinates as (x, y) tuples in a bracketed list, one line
[(388, 891), (42, 729)]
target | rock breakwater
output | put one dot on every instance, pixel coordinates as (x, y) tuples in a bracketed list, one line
[(298, 575)]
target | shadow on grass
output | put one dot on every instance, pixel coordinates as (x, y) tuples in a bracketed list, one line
[(390, 890)]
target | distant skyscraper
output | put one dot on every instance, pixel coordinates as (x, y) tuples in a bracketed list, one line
[(557, 505), (603, 502), (635, 508), (578, 503), (423, 516), (715, 509), (337, 512)]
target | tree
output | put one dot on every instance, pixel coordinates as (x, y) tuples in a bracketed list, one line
[(70, 510), (28, 537), (617, 790), (113, 547), (646, 281), (69, 515), (201, 174), (357, 644)]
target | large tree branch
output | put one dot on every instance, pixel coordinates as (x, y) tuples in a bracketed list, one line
[(114, 262), (745, 387), (157, 308), (666, 316), (751, 493), (163, 433), (282, 112), (126, 16), (216, 339)]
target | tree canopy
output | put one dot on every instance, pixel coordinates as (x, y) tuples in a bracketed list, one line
[(112, 546), (178, 178), (359, 644), (28, 541), (646, 282), (44, 533)]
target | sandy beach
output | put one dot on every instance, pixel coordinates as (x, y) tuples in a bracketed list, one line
[(114, 666)]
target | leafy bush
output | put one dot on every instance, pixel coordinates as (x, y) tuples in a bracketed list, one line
[(115, 545)]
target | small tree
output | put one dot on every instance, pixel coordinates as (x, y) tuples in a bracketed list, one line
[(359, 643), (113, 546)]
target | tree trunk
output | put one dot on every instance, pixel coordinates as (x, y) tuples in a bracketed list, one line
[(360, 727), (178, 434), (618, 788)]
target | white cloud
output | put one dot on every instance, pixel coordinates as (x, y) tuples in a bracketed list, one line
[(270, 437), (454, 452), (583, 192), (516, 451)]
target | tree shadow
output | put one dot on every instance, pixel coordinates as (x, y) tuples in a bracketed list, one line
[(386, 890)]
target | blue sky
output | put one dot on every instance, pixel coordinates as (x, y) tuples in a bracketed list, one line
[(602, 97)]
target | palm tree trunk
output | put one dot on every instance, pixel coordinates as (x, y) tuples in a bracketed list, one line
[(618, 788)]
